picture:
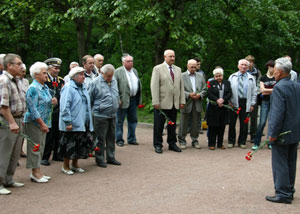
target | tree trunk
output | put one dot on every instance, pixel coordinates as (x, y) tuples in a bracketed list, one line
[(161, 45), (79, 22)]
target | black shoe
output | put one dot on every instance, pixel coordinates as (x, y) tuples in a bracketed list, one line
[(45, 162), (120, 143), (174, 148), (276, 199), (201, 132), (114, 162), (158, 150), (102, 164), (133, 143)]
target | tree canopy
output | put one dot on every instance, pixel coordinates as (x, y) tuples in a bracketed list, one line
[(220, 32)]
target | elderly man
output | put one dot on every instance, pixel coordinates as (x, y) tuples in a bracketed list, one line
[(72, 65), (105, 102), (1, 63), (284, 116), (168, 96), (88, 64), (12, 109), (243, 87), (99, 60), (130, 92), (195, 90), (54, 83)]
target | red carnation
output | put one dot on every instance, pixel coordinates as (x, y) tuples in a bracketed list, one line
[(238, 111), (90, 155), (171, 123), (55, 84), (141, 106), (248, 156), (208, 84), (36, 147), (246, 120), (97, 149)]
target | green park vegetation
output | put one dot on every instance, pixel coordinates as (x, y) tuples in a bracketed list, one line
[(220, 32)]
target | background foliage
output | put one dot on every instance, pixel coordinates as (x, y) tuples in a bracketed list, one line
[(220, 32)]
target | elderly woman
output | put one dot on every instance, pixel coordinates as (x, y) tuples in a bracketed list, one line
[(75, 122), (105, 102), (267, 82), (37, 118), (219, 91)]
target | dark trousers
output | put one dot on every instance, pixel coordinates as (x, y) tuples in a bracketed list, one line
[(159, 122), (216, 132), (52, 142), (105, 129), (243, 127), (284, 162), (253, 125)]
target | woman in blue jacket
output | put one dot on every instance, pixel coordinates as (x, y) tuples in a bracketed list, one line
[(75, 122)]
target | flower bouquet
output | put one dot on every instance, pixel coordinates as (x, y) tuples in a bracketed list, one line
[(250, 154)]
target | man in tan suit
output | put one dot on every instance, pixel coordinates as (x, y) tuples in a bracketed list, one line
[(195, 90), (167, 92)]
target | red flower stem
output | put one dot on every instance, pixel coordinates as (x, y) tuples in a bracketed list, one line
[(224, 105)]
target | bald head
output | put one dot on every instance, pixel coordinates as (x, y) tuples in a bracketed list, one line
[(169, 56), (192, 66)]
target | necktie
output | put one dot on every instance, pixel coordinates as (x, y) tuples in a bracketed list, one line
[(171, 72), (241, 87)]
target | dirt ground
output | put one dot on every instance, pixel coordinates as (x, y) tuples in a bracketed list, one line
[(194, 181)]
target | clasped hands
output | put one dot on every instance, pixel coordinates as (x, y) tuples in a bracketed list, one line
[(220, 102), (195, 96)]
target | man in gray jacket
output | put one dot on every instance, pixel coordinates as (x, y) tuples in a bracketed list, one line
[(243, 87), (284, 116), (195, 90), (130, 91), (105, 102)]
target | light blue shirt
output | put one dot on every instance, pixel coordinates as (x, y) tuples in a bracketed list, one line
[(38, 100)]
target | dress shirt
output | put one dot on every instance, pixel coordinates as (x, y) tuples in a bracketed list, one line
[(245, 83), (132, 81), (168, 67), (193, 80), (11, 94)]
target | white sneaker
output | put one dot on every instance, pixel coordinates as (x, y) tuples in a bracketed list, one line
[(196, 145), (15, 184), (229, 145), (243, 146), (182, 146), (4, 191)]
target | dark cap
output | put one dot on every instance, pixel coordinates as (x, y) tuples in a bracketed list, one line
[(53, 62)]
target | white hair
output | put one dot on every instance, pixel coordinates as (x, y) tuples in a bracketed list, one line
[(241, 60), (168, 51), (36, 68), (98, 55), (191, 61), (2, 58), (218, 71), (24, 66), (107, 68), (74, 63), (283, 64), (125, 55)]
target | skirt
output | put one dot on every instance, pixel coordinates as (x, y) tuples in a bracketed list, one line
[(75, 145)]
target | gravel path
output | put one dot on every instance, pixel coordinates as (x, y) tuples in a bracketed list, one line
[(194, 181)]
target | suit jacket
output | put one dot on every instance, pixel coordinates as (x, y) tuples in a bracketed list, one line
[(49, 83), (123, 86), (188, 88), (217, 116), (284, 111), (164, 91)]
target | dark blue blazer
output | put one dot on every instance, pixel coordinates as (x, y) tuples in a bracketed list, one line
[(284, 111)]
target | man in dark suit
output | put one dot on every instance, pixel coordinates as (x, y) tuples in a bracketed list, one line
[(284, 116), (130, 92), (55, 83)]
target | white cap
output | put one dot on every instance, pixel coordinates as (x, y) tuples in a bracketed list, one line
[(75, 71)]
